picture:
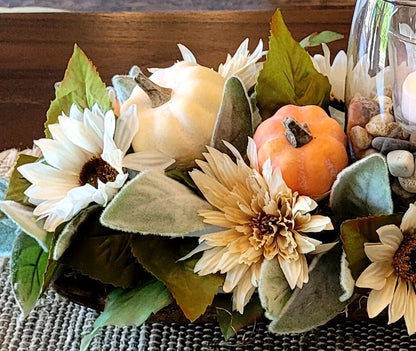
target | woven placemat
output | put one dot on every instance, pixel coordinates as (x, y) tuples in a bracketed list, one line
[(58, 324)]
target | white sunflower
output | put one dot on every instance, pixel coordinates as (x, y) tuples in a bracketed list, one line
[(392, 273), (262, 220), (84, 162)]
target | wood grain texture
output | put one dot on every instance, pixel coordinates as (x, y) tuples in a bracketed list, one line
[(35, 49)]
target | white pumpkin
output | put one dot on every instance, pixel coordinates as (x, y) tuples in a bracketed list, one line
[(177, 122)]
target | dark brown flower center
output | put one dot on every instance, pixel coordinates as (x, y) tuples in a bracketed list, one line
[(404, 260), (266, 224), (96, 168)]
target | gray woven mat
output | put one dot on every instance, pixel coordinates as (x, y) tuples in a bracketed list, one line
[(57, 324)]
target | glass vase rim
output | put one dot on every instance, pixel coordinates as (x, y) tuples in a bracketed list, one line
[(410, 3)]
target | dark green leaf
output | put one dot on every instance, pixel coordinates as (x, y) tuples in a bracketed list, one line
[(288, 75), (316, 39), (318, 301), (356, 232), (18, 184), (160, 256), (230, 321), (81, 86), (362, 189), (233, 123), (28, 266), (130, 307), (100, 252)]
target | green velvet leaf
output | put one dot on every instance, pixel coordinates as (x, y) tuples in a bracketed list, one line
[(288, 75), (316, 39), (23, 217), (153, 203), (124, 84), (18, 184), (8, 229), (230, 321), (274, 290), (362, 190), (130, 307), (318, 301), (233, 122), (100, 252), (81, 86), (192, 292), (28, 266), (356, 232)]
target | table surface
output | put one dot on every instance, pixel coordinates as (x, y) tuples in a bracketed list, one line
[(35, 49)]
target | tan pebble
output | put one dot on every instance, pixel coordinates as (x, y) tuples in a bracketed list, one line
[(385, 103), (412, 139), (401, 163), (408, 184), (360, 138), (378, 128), (360, 110), (401, 193)]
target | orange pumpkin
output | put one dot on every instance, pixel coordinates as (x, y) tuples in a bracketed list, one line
[(316, 153)]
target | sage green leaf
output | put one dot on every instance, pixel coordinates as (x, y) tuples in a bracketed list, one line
[(153, 203), (274, 290), (130, 307), (23, 217), (316, 39), (362, 189), (318, 301), (28, 266), (8, 229), (100, 252), (231, 321), (288, 75), (233, 122), (18, 184), (356, 232), (192, 292), (124, 84), (81, 86)]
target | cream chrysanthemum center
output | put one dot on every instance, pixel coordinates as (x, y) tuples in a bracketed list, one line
[(97, 169), (404, 260)]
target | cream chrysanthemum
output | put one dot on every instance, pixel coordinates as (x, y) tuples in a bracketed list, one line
[(85, 161), (392, 273), (262, 220)]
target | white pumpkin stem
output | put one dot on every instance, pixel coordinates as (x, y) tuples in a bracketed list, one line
[(158, 95), (298, 134)]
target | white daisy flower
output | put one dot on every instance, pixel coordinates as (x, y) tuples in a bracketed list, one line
[(336, 72), (85, 161), (242, 65)]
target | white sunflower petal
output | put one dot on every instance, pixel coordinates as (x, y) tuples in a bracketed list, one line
[(409, 219), (378, 300), (390, 235), (410, 313), (140, 161), (397, 307), (127, 127), (374, 276)]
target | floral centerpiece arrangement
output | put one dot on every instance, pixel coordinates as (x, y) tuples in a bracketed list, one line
[(198, 187)]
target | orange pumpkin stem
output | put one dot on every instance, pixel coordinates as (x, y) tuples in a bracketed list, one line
[(158, 95), (298, 134)]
